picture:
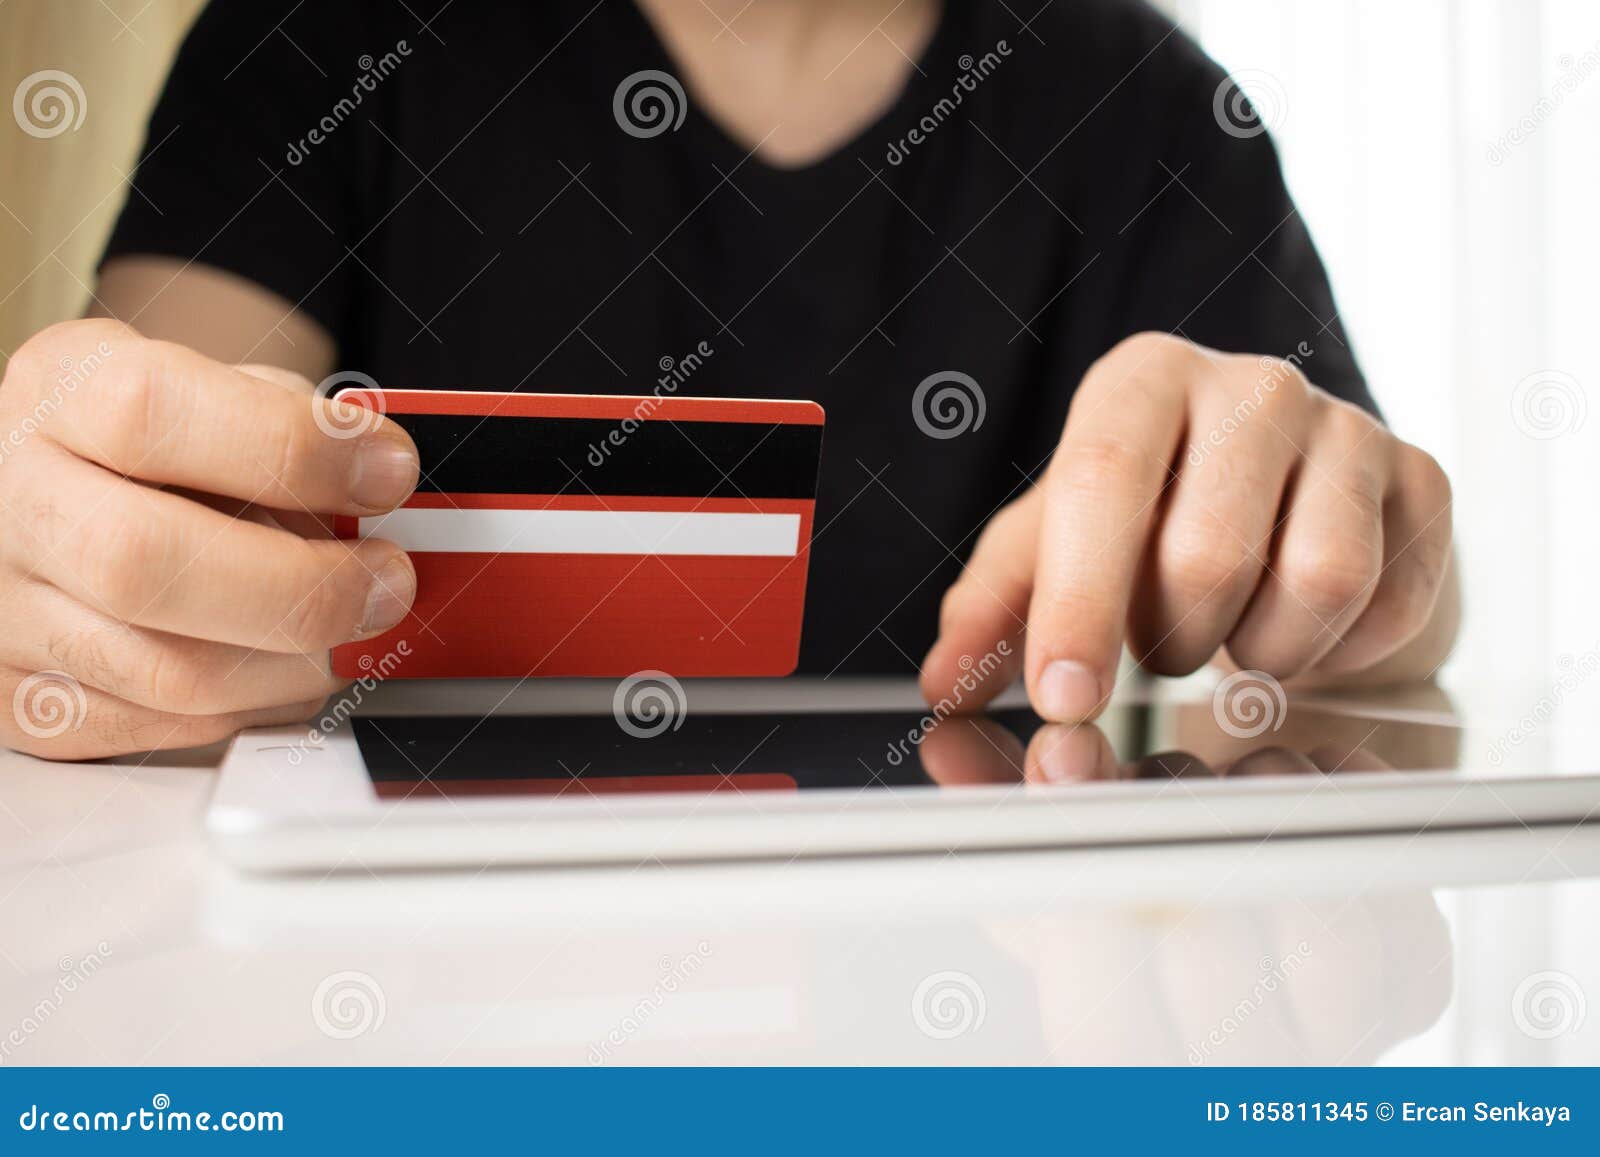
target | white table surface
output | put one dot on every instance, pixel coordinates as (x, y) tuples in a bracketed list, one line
[(124, 940)]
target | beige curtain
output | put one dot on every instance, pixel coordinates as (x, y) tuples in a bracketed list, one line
[(77, 78)]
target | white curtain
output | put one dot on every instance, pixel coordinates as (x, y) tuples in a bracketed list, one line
[(1446, 155), (59, 194)]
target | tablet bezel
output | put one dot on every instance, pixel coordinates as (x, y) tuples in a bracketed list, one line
[(288, 803)]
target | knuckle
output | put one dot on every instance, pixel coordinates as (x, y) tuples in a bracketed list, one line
[(1419, 576), (1203, 562), (1350, 425), (1428, 477), (1356, 486), (75, 332), (34, 361), (163, 676), (1154, 347), (1231, 469), (1279, 394), (1429, 557), (1149, 357), (85, 655), (289, 454), (45, 349), (1332, 575), (326, 607), (119, 562), (67, 344), (1271, 388), (1106, 462), (126, 411), (1412, 606), (1360, 490), (1403, 607), (174, 680), (1278, 378)]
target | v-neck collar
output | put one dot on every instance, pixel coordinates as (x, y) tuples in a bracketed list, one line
[(883, 127)]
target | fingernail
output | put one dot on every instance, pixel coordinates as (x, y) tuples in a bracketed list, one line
[(390, 597), (1068, 691), (383, 473)]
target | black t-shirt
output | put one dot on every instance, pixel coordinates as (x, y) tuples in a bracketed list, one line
[(473, 204)]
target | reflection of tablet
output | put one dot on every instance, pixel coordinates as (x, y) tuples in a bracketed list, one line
[(468, 790)]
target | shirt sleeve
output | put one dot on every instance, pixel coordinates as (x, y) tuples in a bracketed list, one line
[(1220, 253), (252, 154)]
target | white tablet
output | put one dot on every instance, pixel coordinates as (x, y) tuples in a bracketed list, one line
[(785, 773)]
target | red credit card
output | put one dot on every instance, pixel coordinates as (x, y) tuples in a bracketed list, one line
[(595, 535)]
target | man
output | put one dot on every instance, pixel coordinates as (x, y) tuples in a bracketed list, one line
[(1158, 435)]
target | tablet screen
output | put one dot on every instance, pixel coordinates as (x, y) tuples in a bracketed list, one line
[(592, 755)]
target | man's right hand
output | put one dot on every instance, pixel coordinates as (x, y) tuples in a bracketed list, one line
[(152, 592)]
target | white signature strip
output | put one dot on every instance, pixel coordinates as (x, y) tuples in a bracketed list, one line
[(587, 532)]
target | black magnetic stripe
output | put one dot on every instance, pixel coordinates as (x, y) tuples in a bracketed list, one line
[(473, 454)]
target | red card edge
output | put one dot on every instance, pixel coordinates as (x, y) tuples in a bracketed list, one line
[(484, 403)]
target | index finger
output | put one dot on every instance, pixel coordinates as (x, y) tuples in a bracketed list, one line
[(1101, 496), (166, 414)]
